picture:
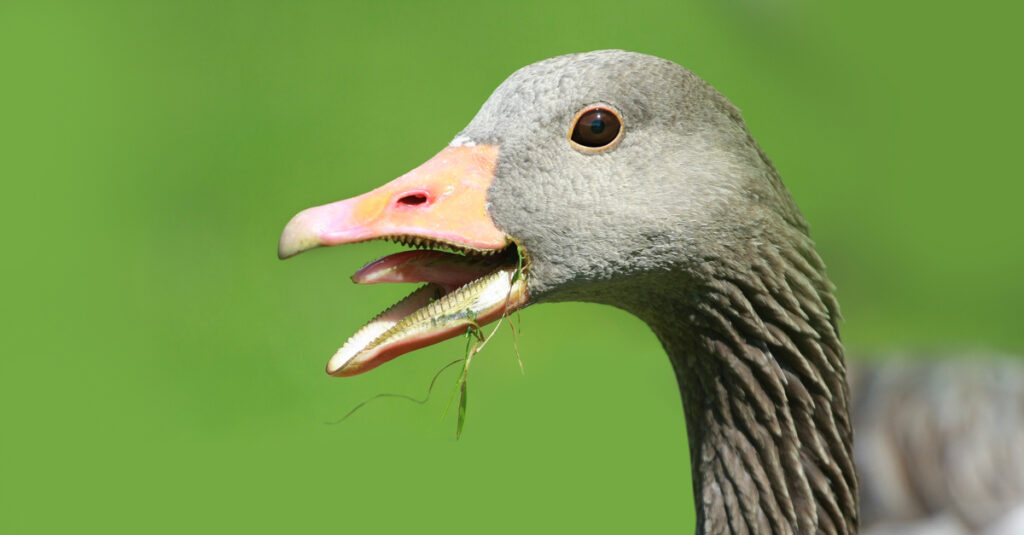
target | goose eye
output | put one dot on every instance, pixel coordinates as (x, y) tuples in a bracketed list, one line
[(596, 128)]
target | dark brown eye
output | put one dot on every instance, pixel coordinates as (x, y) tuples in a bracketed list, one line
[(596, 128)]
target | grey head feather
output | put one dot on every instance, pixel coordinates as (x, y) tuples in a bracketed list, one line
[(682, 180)]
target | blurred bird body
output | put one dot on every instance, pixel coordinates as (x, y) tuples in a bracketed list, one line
[(940, 445)]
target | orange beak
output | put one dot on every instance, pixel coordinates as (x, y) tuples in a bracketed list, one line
[(444, 200)]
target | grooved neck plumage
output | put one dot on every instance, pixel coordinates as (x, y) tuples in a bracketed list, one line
[(760, 367)]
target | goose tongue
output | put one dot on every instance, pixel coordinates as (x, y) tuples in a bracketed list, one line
[(447, 270)]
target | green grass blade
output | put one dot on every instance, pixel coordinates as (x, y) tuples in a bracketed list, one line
[(462, 411)]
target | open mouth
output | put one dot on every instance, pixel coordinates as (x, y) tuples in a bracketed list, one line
[(473, 272), (463, 290)]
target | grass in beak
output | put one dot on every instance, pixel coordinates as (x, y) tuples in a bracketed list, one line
[(475, 342), (430, 390), (515, 340), (519, 265), (511, 324)]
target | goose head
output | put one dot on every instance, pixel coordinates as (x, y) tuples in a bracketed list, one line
[(624, 179), (616, 176)]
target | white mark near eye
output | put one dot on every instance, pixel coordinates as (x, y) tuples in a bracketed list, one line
[(462, 141)]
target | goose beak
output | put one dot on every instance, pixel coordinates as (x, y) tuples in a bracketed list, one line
[(440, 204), (443, 200)]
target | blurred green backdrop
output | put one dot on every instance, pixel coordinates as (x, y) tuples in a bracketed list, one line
[(162, 371)]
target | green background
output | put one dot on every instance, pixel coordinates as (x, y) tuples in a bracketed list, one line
[(162, 371)]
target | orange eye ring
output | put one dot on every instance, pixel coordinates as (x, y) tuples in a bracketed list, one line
[(595, 128)]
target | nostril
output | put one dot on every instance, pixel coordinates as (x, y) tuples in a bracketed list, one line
[(413, 199)]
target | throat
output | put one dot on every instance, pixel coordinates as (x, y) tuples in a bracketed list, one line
[(763, 381)]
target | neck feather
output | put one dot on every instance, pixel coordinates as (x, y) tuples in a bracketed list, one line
[(757, 355)]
